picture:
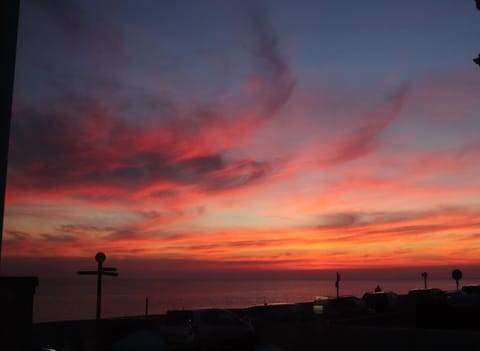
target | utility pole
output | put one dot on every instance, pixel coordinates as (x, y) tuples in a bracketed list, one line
[(337, 284), (8, 42)]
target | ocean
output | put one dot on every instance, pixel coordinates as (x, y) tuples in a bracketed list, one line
[(75, 298)]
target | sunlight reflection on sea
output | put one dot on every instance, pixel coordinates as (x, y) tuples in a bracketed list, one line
[(73, 298)]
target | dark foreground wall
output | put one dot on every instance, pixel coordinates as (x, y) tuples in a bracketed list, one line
[(8, 43), (16, 308)]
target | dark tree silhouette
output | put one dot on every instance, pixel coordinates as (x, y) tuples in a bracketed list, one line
[(424, 276), (477, 60), (457, 275)]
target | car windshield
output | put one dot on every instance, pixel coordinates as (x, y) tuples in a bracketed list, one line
[(178, 317), (218, 317)]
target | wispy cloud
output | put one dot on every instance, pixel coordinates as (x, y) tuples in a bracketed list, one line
[(273, 77), (363, 138), (280, 164)]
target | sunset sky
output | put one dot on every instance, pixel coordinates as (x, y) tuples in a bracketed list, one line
[(258, 134)]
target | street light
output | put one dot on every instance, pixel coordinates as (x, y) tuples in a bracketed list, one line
[(101, 271)]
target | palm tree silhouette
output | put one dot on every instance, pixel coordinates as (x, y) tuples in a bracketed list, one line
[(457, 275), (424, 276)]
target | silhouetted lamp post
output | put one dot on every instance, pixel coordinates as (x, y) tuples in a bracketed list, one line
[(337, 284), (424, 276), (457, 275), (100, 272)]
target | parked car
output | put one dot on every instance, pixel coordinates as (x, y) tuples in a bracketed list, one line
[(341, 307), (212, 327), (463, 300), (319, 305), (431, 295), (431, 301), (467, 297), (381, 301), (263, 314), (177, 329), (471, 289), (208, 329)]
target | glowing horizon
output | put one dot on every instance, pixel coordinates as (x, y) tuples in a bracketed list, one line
[(246, 137)]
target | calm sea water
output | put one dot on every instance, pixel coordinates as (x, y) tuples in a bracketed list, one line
[(74, 298)]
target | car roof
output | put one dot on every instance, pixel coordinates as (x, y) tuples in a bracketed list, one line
[(423, 290)]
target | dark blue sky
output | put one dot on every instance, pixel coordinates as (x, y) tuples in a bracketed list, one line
[(298, 134)]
